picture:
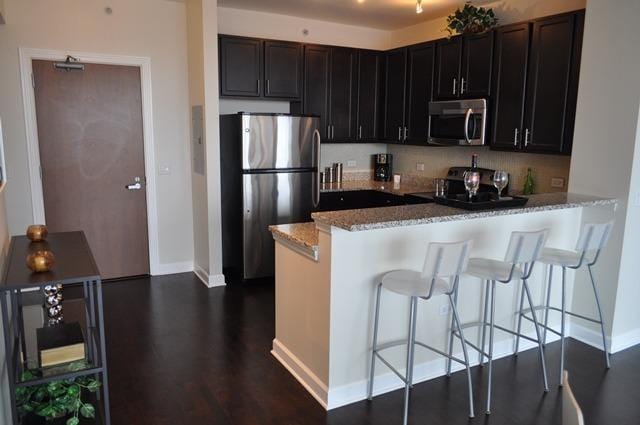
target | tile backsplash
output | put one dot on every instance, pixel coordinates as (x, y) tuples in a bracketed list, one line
[(437, 160)]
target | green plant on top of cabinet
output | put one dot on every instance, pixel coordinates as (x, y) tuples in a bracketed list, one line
[(408, 90), (463, 66), (330, 90), (252, 67), (535, 84)]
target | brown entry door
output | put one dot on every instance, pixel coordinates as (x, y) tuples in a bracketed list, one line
[(91, 148)]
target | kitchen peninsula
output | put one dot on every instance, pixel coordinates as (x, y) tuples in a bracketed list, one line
[(326, 272)]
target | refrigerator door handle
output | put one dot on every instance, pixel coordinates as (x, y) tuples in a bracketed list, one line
[(316, 195)]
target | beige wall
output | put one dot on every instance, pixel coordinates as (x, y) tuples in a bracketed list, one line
[(2, 13), (508, 11), (437, 161), (605, 157), (151, 28)]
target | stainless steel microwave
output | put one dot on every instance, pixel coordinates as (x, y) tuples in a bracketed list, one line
[(458, 122)]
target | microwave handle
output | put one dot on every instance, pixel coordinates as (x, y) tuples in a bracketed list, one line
[(466, 125)]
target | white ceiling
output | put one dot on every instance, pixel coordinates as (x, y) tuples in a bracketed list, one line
[(381, 14)]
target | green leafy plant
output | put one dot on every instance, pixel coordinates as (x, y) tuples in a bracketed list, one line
[(58, 399), (471, 20)]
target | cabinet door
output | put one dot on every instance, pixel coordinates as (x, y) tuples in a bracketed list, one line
[(368, 95), (316, 85), (475, 74), (448, 68), (548, 84), (419, 85), (282, 69), (395, 73), (342, 95), (240, 66), (509, 85)]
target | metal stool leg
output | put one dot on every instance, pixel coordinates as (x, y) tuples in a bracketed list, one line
[(484, 323), (466, 355), (454, 301), (410, 347), (517, 346), (546, 310), (491, 324), (604, 338), (525, 287), (562, 325), (375, 342)]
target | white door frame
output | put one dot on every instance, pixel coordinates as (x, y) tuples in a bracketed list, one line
[(31, 126)]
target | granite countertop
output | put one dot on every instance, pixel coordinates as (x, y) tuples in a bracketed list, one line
[(409, 215), (388, 187), (302, 235)]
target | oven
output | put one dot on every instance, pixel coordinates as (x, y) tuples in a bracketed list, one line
[(458, 122)]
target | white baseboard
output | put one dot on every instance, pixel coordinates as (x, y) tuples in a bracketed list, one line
[(625, 340), (386, 382), (301, 372), (209, 280), (586, 335), (172, 268)]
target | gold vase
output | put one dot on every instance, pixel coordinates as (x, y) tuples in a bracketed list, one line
[(41, 261), (37, 232)]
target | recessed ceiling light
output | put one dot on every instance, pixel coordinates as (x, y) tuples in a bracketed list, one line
[(419, 6)]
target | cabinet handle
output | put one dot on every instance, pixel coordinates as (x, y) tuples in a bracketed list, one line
[(258, 86), (329, 132), (526, 137), (360, 132), (333, 132), (268, 87), (515, 137), (399, 133), (462, 86), (405, 133), (454, 86)]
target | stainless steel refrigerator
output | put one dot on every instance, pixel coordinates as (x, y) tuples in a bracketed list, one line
[(269, 175)]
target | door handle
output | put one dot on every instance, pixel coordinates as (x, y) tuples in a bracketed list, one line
[(135, 186), (316, 195), (466, 125)]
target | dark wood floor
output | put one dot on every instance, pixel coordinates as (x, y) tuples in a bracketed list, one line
[(180, 353)]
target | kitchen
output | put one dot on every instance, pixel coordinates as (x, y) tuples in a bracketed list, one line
[(420, 117)]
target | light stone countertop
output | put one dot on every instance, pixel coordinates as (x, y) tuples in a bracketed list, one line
[(303, 236), (410, 215)]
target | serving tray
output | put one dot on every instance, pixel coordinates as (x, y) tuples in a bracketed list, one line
[(482, 201)]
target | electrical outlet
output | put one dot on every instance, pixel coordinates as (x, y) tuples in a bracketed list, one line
[(444, 309), (351, 163), (420, 166), (557, 182)]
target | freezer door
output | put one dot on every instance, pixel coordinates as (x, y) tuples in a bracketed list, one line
[(271, 198), (277, 141)]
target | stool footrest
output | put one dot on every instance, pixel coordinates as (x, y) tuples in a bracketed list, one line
[(524, 316), (579, 316)]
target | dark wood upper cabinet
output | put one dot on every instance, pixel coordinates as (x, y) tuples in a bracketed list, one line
[(240, 66), (509, 84), (316, 85), (447, 84), (342, 94), (549, 84), (395, 77), (368, 97), (475, 70), (282, 69), (420, 68)]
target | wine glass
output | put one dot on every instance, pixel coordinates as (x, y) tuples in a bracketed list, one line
[(471, 182), (500, 181)]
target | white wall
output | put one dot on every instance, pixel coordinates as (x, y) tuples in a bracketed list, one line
[(606, 146), (151, 28)]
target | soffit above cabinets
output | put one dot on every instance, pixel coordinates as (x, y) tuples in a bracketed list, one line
[(380, 14)]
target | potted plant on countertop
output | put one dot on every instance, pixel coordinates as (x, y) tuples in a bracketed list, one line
[(58, 402), (471, 20)]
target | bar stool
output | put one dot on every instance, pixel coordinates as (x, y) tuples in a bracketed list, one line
[(524, 249), (440, 275), (593, 238)]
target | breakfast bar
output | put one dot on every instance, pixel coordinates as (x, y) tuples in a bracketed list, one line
[(327, 271)]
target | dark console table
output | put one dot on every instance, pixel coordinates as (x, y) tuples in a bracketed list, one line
[(74, 264)]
